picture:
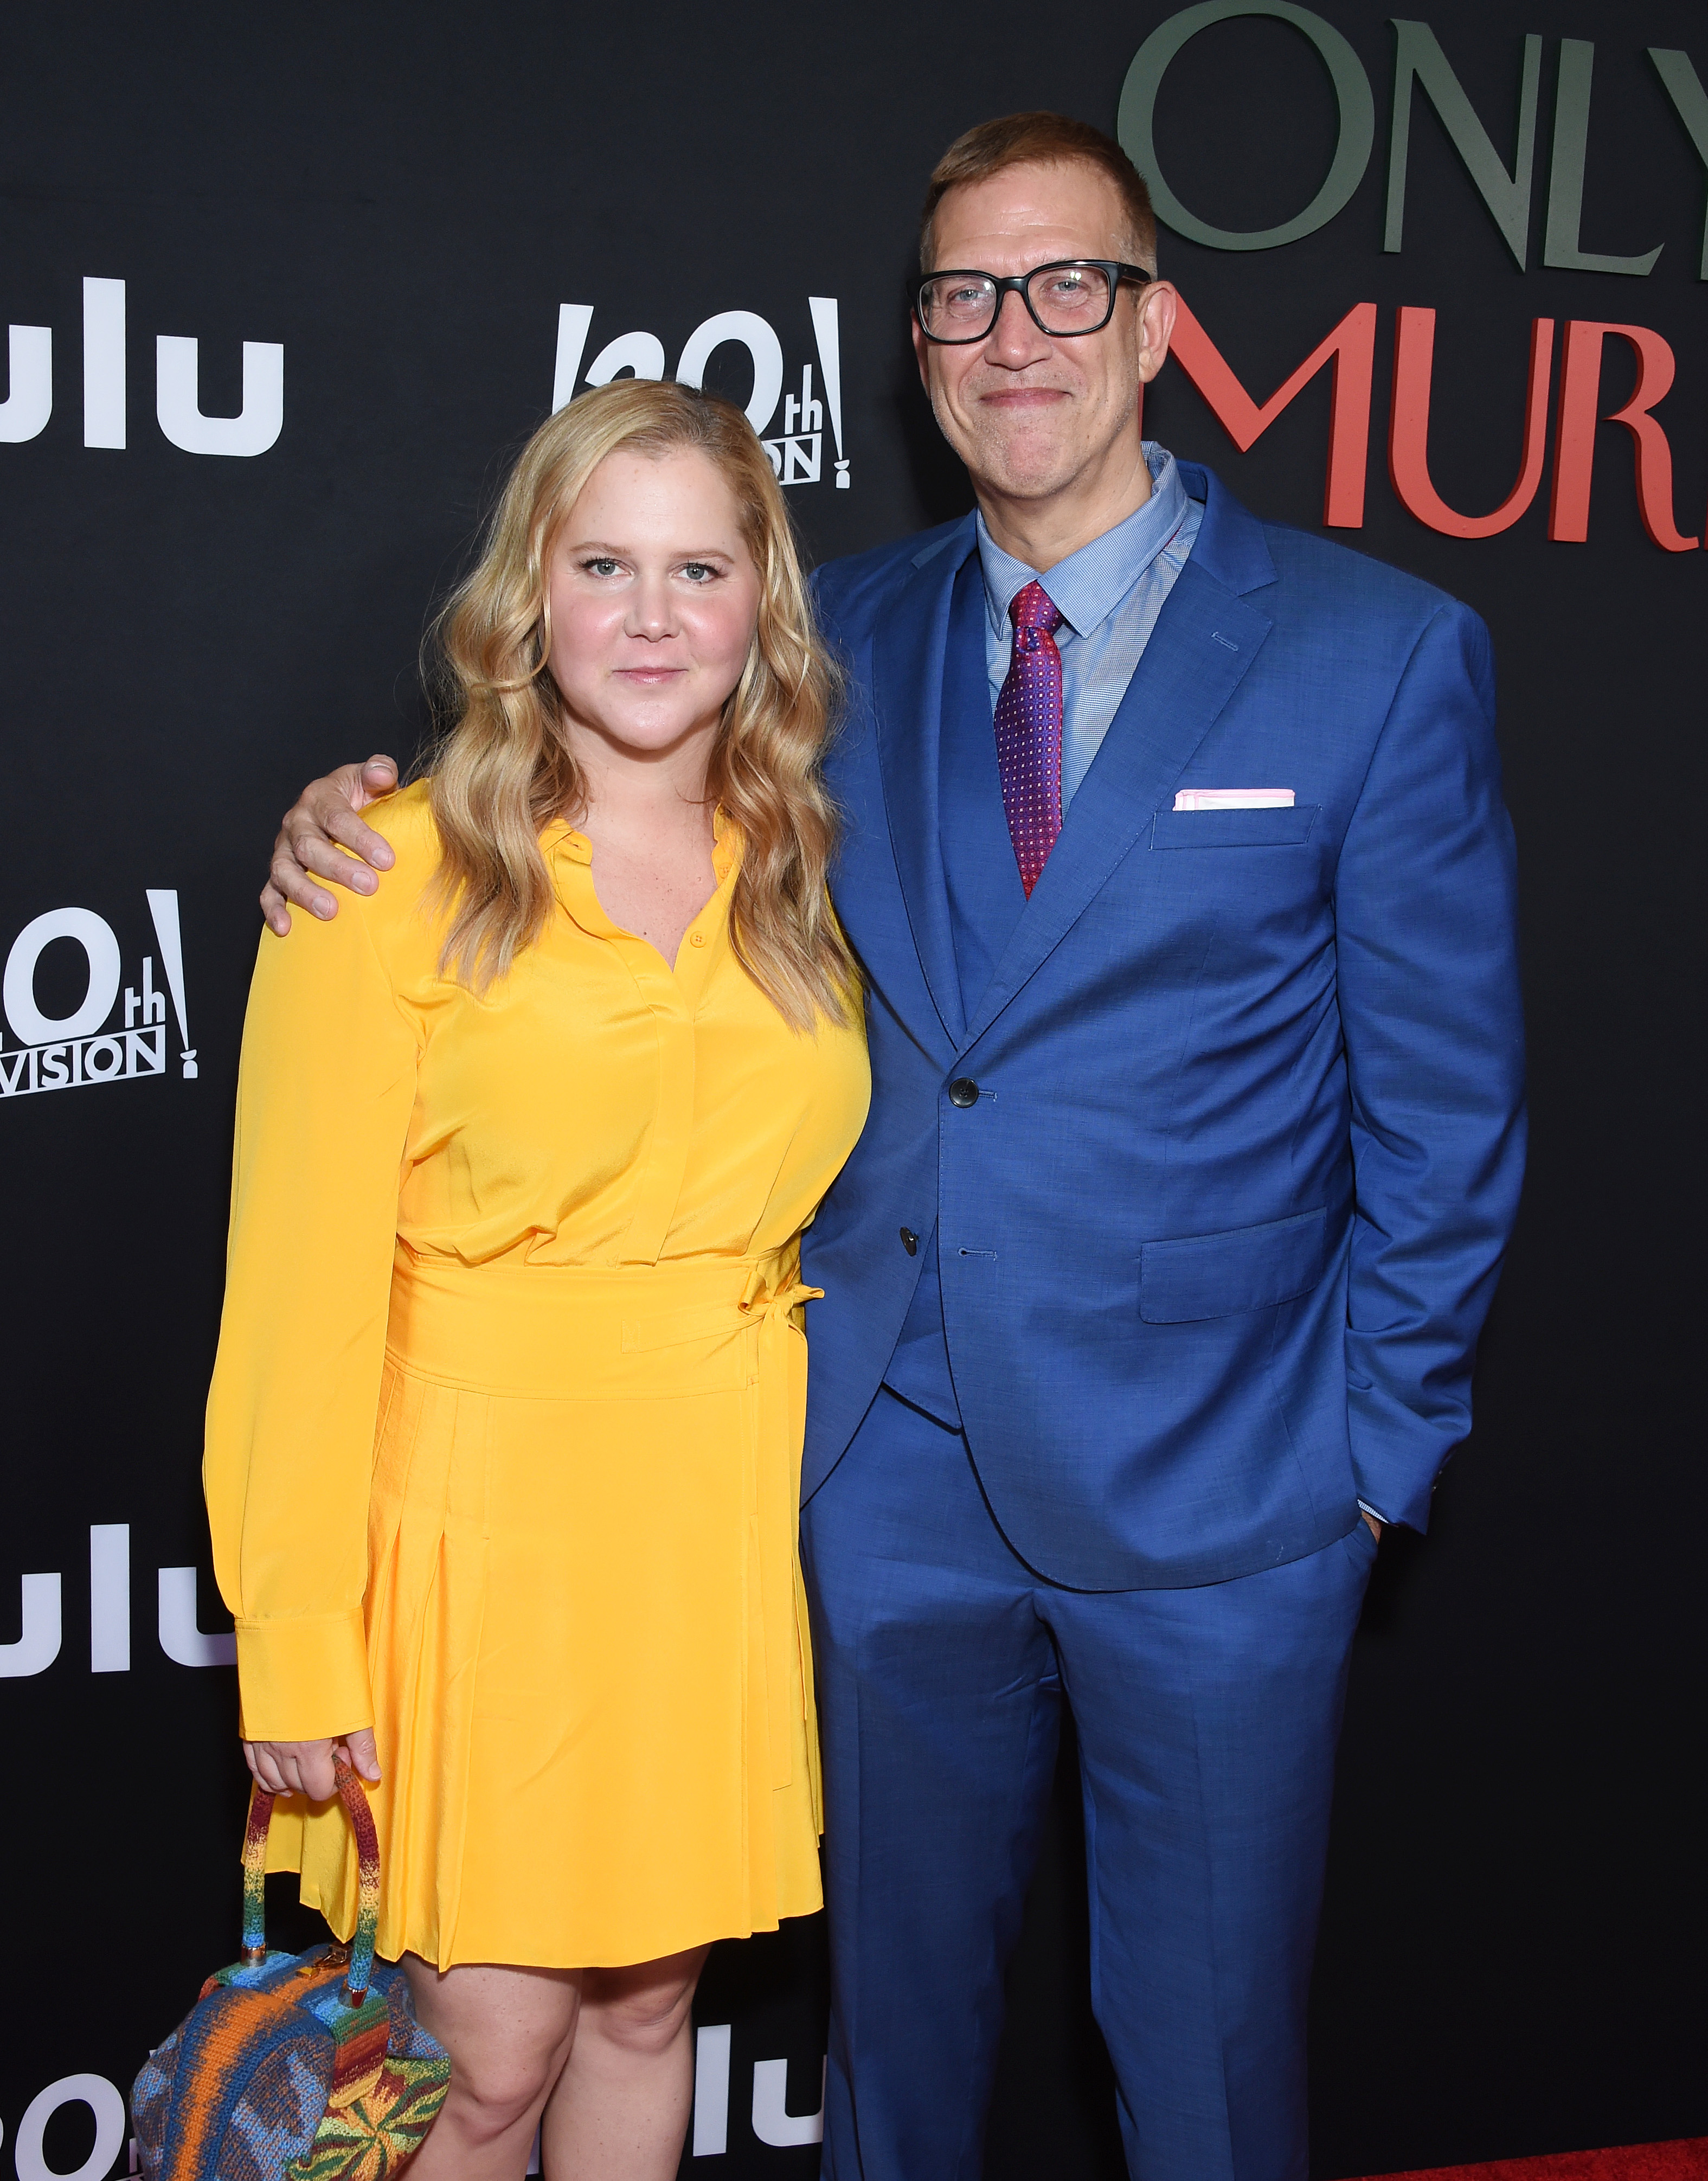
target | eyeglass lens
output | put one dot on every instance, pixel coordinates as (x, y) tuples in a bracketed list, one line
[(1068, 299)]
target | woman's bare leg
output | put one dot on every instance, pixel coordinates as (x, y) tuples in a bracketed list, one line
[(620, 2108), (509, 2032)]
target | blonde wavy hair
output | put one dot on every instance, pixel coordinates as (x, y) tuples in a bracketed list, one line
[(501, 768)]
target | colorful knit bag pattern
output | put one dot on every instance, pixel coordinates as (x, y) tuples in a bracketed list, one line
[(306, 2067)]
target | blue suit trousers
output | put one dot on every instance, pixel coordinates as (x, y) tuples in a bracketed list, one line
[(1207, 1720)]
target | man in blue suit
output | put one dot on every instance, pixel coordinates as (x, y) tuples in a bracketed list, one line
[(1176, 860)]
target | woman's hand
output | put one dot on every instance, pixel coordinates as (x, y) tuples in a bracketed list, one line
[(306, 1768)]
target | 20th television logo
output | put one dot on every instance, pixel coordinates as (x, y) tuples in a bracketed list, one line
[(797, 450), (116, 1032)]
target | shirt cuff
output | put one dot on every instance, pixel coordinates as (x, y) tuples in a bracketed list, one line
[(1375, 1514), (303, 1678)]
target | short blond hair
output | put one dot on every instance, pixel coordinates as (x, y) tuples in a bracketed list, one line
[(1044, 139)]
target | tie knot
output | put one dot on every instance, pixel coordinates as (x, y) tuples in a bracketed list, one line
[(1033, 608)]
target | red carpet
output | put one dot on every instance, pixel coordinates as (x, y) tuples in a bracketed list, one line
[(1639, 2161)]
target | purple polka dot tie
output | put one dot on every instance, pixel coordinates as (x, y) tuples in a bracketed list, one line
[(1028, 733)]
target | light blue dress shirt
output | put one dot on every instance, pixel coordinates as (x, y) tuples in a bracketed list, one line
[(1109, 593)]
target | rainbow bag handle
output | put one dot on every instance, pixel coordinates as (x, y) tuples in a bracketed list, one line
[(306, 2067), (360, 1970)]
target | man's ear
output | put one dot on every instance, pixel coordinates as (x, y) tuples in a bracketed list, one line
[(922, 350), (1158, 302)]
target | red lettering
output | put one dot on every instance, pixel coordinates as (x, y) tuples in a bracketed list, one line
[(1408, 430), (1351, 347), (1574, 452)]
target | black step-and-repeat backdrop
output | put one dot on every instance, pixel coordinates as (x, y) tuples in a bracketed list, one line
[(283, 289)]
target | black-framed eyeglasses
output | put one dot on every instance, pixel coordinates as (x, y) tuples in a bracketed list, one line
[(1074, 295)]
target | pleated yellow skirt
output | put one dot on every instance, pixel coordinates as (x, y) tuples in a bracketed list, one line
[(587, 1634)]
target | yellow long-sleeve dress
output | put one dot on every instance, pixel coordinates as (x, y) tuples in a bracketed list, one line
[(503, 1441)]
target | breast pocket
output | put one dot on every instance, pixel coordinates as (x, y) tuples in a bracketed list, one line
[(1234, 829), (1195, 1276)]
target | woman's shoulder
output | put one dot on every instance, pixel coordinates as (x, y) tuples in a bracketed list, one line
[(400, 915), (405, 821)]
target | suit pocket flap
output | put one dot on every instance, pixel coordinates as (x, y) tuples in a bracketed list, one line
[(1233, 829), (1244, 1268)]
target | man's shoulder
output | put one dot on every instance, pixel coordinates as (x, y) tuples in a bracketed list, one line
[(848, 588), (1364, 623), (1342, 579), (1314, 577)]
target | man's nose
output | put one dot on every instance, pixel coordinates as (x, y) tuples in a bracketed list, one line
[(1014, 339)]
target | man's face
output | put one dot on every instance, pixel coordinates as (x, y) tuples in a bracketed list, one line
[(1028, 415)]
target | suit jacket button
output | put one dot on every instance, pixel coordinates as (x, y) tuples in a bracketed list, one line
[(963, 1091), (910, 1242)]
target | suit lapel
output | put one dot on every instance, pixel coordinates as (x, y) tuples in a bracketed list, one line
[(1204, 642), (907, 686)]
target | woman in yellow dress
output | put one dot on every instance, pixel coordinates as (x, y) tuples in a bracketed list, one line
[(504, 1488)]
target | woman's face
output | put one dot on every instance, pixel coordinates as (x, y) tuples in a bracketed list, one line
[(654, 599)]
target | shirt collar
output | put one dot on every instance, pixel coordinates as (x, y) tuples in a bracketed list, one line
[(560, 839), (1088, 585)]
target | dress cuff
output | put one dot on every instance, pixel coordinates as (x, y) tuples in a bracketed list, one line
[(303, 1678)]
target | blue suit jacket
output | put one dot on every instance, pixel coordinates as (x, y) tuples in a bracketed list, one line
[(1218, 1234)]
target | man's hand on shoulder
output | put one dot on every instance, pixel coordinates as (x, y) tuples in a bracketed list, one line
[(317, 830)]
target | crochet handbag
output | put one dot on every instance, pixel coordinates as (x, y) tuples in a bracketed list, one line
[(306, 2067)]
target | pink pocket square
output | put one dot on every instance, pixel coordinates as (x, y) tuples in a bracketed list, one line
[(1234, 798)]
